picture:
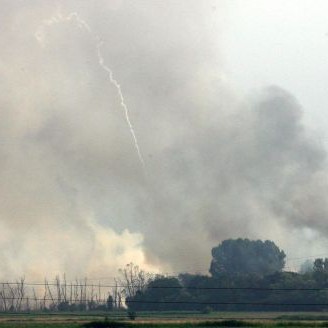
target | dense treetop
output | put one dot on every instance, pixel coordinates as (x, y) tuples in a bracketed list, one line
[(235, 256)]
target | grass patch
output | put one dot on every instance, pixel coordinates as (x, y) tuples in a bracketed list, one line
[(118, 324), (228, 323), (38, 325), (205, 324), (301, 317), (111, 324)]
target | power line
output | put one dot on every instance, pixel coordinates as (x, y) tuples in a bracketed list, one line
[(85, 301), (68, 285)]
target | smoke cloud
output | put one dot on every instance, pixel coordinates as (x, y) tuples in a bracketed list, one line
[(74, 196)]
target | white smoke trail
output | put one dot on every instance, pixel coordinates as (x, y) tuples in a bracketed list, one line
[(119, 91), (58, 18)]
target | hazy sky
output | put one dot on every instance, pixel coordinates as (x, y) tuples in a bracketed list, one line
[(225, 100), (284, 43)]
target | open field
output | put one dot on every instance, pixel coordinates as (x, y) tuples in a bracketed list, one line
[(166, 320)]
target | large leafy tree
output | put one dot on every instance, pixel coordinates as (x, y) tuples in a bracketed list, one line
[(162, 293), (244, 256)]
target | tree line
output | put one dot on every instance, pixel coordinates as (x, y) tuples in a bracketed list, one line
[(244, 275)]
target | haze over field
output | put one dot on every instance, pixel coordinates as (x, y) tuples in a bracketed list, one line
[(77, 197)]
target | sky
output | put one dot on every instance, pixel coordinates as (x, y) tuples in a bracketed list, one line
[(283, 43), (150, 131)]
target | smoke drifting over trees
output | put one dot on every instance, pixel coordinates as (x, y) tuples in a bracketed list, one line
[(74, 196)]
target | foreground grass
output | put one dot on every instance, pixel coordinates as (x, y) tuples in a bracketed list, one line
[(118, 324), (165, 320)]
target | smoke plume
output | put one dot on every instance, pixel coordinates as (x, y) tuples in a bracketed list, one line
[(74, 197)]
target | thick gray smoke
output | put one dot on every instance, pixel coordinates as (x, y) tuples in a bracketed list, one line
[(74, 197)]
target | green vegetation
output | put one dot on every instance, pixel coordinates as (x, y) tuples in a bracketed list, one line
[(245, 276), (161, 324), (244, 256), (167, 320)]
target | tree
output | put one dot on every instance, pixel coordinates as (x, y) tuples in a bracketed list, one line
[(161, 294), (320, 271), (244, 256), (320, 265), (133, 279)]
